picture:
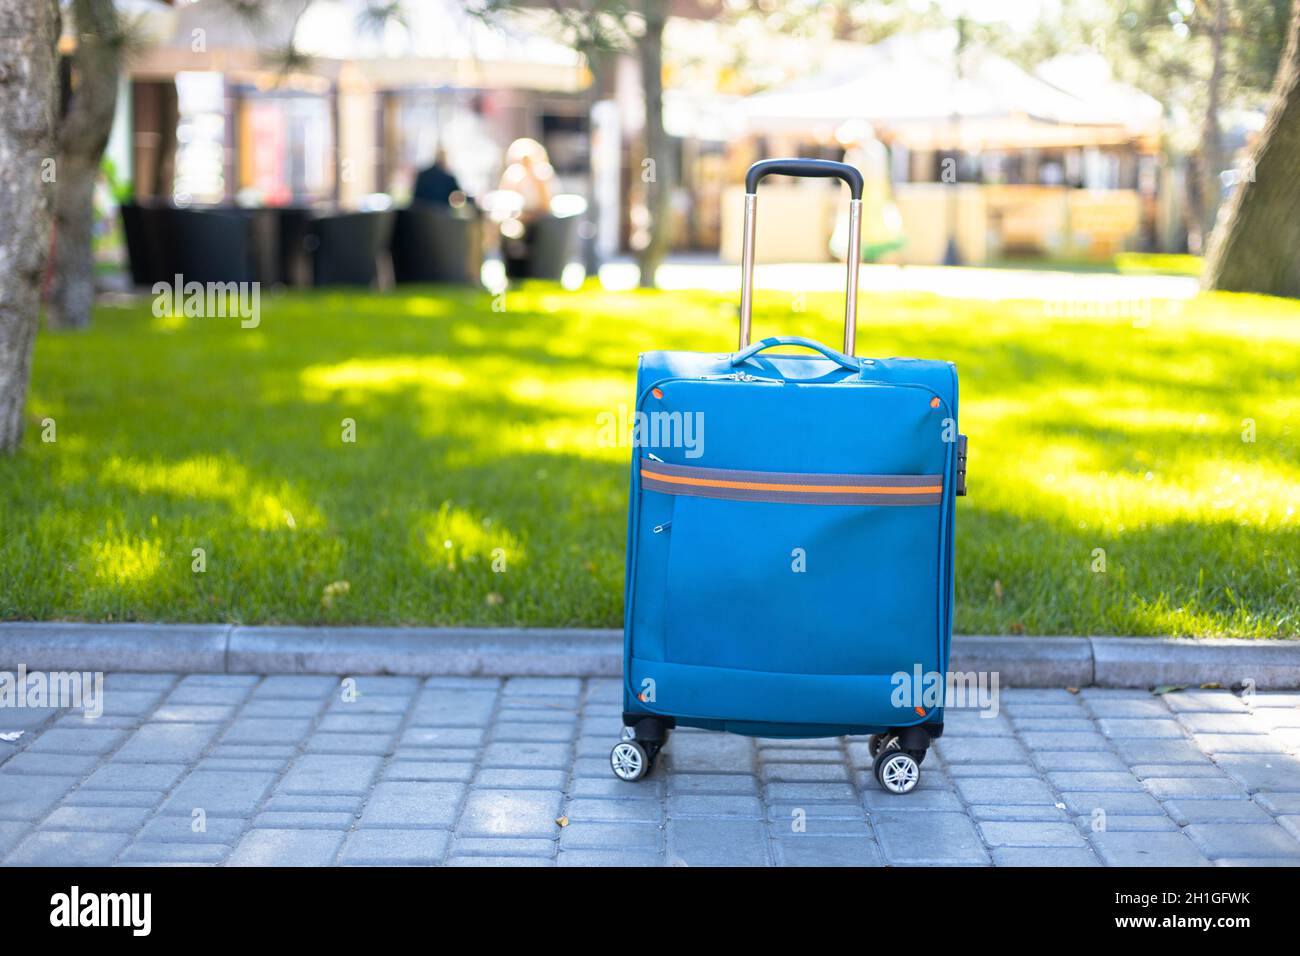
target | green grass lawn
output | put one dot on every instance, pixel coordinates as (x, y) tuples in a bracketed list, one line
[(477, 430)]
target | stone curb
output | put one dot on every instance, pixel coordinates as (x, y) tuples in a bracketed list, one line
[(568, 652)]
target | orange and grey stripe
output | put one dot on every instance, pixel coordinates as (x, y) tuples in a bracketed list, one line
[(790, 487)]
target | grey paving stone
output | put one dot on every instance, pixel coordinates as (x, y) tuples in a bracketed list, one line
[(928, 839), (1215, 744), (27, 718), (994, 770), (75, 720), (1044, 856), (1237, 840), (1219, 701), (1005, 790), (394, 848), (1291, 823), (151, 853), (399, 804), (607, 858), (241, 764), (508, 846), (68, 848), (806, 849), (984, 750), (330, 773), (1125, 823), (280, 752), (824, 819), (801, 755), (1184, 812), (714, 805), (513, 754), (916, 800), (811, 792), (1140, 728), (1167, 788), (1038, 833), (1069, 725), (1039, 740), (1148, 771), (267, 730), (1080, 760), (1143, 848), (510, 813), (1130, 709), (429, 770), (511, 861), (442, 737), (597, 835), (97, 819), (286, 848), (204, 695), (1159, 751), (375, 704), (28, 798), (693, 842), (360, 723), (645, 811), (11, 833), (223, 830), (711, 783), (1279, 803), (374, 744), (542, 686), (385, 685), (313, 802), (46, 765), (219, 793), (535, 731), (166, 743), (88, 740), (511, 778), (1113, 803), (982, 812), (283, 709), (304, 820), (453, 708), (1202, 723), (643, 789), (962, 723), (805, 772), (194, 713), (147, 799), (1262, 772), (300, 686), (709, 753), (1093, 780)]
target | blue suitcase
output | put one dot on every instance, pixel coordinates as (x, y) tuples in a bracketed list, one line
[(790, 538)]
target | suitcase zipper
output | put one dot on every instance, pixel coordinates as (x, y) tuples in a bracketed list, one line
[(660, 528)]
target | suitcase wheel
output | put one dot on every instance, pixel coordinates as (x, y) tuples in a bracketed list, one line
[(878, 742), (897, 771), (629, 760)]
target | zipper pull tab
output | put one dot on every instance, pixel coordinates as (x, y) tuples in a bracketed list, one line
[(660, 528), (653, 457)]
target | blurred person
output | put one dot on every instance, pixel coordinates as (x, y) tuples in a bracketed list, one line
[(437, 185), (529, 174), (529, 182)]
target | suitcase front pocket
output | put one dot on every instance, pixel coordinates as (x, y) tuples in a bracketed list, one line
[(800, 573)]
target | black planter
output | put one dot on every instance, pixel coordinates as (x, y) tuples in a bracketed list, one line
[(546, 247), (433, 244), (345, 249)]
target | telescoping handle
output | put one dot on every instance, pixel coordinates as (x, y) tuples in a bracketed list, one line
[(815, 168)]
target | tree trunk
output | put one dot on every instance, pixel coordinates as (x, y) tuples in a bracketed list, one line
[(29, 97), (660, 174), (1210, 156), (83, 134), (1254, 248)]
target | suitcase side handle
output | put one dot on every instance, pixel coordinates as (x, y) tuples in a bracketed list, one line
[(750, 351), (814, 168)]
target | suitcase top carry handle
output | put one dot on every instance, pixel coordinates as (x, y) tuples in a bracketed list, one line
[(816, 168), (750, 351)]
